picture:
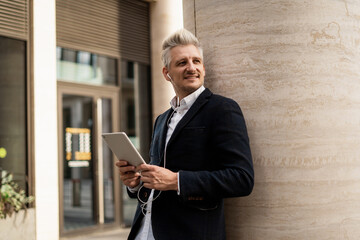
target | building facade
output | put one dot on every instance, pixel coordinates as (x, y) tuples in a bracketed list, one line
[(70, 71)]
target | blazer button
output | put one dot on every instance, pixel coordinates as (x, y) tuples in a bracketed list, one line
[(145, 194)]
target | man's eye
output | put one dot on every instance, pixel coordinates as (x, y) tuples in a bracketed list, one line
[(197, 61), (182, 63)]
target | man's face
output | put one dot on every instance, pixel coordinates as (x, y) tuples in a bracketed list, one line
[(186, 70)]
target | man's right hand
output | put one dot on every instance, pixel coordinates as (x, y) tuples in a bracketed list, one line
[(128, 174)]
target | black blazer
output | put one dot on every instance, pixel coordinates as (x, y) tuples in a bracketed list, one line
[(210, 149)]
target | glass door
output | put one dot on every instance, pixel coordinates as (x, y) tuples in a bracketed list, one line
[(78, 163), (107, 213), (88, 187)]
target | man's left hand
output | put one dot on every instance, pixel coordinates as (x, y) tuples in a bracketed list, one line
[(158, 178)]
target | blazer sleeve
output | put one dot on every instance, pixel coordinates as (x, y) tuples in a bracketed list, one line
[(232, 174), (134, 192)]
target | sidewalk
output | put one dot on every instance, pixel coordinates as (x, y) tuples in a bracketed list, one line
[(117, 234)]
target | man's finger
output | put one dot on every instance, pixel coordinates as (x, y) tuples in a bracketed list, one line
[(127, 175), (121, 163), (145, 167), (127, 169), (132, 182), (148, 185)]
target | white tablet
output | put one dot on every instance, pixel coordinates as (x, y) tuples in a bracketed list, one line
[(122, 147)]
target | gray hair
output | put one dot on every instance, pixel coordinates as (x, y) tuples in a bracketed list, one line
[(181, 37)]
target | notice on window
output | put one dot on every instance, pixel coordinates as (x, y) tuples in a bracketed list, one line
[(78, 146)]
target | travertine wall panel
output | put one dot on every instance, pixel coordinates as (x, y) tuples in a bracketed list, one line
[(189, 15), (294, 68)]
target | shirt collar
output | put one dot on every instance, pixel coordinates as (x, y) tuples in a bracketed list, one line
[(187, 101)]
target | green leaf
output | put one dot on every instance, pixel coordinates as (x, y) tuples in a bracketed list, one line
[(12, 198)]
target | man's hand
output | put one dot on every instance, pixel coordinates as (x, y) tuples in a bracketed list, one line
[(128, 174), (159, 178)]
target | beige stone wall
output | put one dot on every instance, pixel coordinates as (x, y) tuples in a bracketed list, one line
[(19, 226), (294, 68)]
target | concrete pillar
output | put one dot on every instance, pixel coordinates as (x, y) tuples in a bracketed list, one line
[(165, 18), (45, 120), (293, 66)]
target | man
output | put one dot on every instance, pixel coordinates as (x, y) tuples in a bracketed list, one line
[(199, 155)]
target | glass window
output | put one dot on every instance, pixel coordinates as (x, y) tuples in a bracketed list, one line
[(136, 118), (13, 144), (108, 163), (79, 183), (85, 67)]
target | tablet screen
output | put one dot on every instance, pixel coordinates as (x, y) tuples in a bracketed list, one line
[(122, 147)]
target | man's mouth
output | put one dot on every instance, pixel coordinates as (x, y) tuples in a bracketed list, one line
[(191, 76)]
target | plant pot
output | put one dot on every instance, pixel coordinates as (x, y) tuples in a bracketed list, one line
[(20, 225)]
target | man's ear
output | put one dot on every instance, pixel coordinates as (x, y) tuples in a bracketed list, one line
[(165, 73)]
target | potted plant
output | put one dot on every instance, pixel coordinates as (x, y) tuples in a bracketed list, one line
[(12, 198)]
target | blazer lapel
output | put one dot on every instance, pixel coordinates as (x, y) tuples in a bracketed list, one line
[(160, 132), (200, 101)]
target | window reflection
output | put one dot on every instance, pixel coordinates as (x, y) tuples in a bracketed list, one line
[(84, 58), (136, 119), (85, 67), (13, 108)]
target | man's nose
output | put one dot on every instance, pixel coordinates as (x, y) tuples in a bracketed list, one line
[(191, 67)]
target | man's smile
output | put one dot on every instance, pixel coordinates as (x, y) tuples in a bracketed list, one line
[(192, 76)]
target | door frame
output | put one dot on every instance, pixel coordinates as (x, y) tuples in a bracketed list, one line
[(95, 92)]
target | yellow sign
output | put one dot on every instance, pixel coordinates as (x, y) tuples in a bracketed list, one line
[(77, 130), (82, 156), (3, 153), (83, 149)]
